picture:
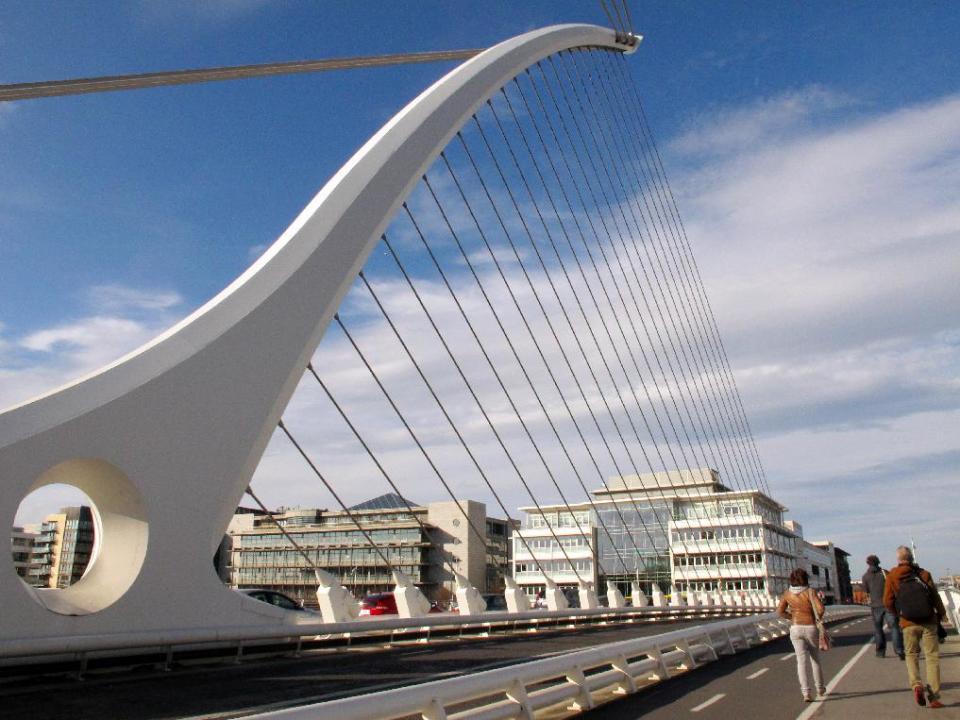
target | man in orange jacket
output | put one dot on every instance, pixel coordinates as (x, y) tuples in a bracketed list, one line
[(910, 591)]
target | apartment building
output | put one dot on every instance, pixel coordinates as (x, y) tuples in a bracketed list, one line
[(257, 554), (63, 548)]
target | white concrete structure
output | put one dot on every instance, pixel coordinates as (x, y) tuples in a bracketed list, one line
[(165, 440)]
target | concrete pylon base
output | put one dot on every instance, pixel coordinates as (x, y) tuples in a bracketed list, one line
[(676, 598), (657, 598), (469, 599), (693, 599), (555, 598), (638, 597), (337, 604), (706, 599), (517, 600), (411, 602), (588, 596), (615, 598), (717, 599)]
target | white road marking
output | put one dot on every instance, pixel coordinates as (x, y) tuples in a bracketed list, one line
[(708, 703), (787, 657), (757, 674), (814, 706)]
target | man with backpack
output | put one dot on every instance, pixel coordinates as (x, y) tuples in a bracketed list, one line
[(874, 580), (910, 592)]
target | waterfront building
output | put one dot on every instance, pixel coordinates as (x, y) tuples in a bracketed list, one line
[(261, 556), (63, 548), (21, 543), (682, 527)]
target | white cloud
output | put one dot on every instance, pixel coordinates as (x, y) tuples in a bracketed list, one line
[(829, 251)]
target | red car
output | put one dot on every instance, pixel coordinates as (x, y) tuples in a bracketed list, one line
[(385, 604)]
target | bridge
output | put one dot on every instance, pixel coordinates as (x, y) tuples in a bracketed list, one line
[(501, 278)]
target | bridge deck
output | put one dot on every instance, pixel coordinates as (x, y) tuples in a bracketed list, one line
[(762, 684)]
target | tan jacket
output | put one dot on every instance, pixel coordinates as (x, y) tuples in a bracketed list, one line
[(800, 607)]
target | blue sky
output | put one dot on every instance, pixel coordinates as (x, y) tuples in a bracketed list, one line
[(120, 213)]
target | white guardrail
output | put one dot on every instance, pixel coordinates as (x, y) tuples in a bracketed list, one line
[(565, 684), (951, 602), (302, 635)]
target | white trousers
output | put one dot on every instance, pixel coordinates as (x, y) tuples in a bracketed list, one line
[(806, 644)]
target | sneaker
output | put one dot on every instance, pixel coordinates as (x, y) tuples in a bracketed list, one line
[(808, 697), (902, 656), (881, 653), (821, 692), (935, 704), (919, 696)]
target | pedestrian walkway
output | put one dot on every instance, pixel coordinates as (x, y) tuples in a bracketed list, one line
[(761, 684), (877, 688)]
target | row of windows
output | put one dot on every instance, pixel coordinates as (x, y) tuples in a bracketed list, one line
[(722, 585), (321, 537), (553, 566), (325, 557), (715, 560), (573, 541), (726, 533), (558, 519)]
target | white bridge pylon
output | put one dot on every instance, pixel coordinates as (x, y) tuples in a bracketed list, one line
[(165, 440)]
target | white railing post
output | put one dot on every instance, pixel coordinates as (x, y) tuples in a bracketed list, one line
[(517, 600), (588, 596), (411, 602), (615, 598), (656, 597), (337, 603), (469, 600), (638, 598)]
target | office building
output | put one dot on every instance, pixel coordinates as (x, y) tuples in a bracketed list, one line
[(683, 528), (428, 551)]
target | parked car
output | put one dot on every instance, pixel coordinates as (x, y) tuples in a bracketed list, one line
[(277, 599), (385, 604)]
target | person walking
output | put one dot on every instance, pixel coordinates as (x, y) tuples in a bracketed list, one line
[(802, 607), (874, 580), (910, 592)]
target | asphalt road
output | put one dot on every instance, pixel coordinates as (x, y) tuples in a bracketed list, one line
[(228, 691), (759, 684)]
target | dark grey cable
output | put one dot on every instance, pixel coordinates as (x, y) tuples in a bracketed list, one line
[(473, 392), (520, 364), (533, 337)]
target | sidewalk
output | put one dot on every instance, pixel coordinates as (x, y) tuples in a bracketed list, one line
[(877, 689)]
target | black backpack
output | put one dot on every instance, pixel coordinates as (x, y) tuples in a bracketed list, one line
[(914, 601)]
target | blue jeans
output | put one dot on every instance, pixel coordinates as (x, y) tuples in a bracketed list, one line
[(879, 637)]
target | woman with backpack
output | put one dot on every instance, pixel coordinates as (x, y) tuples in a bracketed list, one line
[(910, 592), (800, 605)]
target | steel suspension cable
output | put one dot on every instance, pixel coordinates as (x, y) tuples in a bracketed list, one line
[(520, 364), (476, 397), (739, 417), (583, 204), (586, 244), (446, 415), (700, 492), (702, 412), (579, 305), (539, 301), (690, 259), (366, 446), (552, 285), (363, 531), (533, 338), (727, 412)]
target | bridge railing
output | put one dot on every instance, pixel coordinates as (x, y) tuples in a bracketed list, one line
[(577, 680), (951, 602), (250, 639)]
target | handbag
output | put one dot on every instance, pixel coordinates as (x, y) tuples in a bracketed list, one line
[(825, 642)]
